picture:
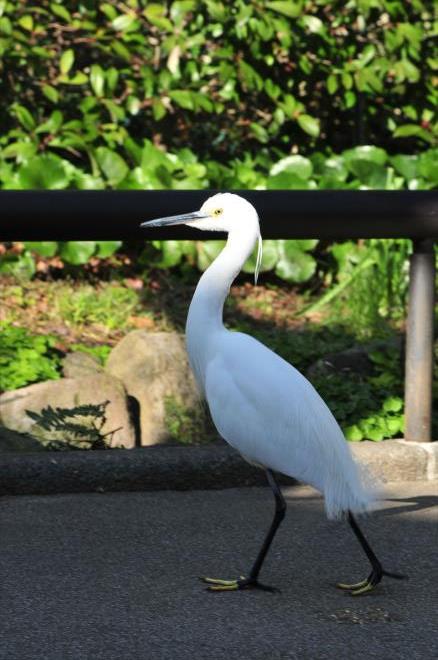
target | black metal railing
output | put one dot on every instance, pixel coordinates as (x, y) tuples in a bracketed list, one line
[(330, 214)]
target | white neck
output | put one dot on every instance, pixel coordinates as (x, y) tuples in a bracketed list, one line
[(205, 316)]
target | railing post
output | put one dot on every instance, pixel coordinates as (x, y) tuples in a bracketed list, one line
[(419, 343)]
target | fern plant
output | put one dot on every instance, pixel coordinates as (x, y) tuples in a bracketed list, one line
[(72, 428)]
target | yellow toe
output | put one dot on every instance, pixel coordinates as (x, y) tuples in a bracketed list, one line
[(352, 587), (363, 590), (219, 583), (231, 586)]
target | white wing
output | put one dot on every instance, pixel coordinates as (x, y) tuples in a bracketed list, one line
[(273, 416)]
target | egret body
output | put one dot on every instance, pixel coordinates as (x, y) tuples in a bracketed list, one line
[(260, 404)]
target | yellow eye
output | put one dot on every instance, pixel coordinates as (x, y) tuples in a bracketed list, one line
[(217, 212)]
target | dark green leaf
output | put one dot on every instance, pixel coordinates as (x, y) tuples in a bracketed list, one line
[(97, 79), (51, 93), (43, 248), (60, 11), (77, 252), (428, 165), (123, 22), (298, 165), (45, 172), (309, 124), (66, 61), (366, 152), (26, 22), (112, 165), (292, 8), (407, 166), (332, 83), (286, 181), (107, 248), (24, 116), (294, 265), (183, 98)]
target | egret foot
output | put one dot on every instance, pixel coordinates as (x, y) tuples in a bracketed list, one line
[(215, 584), (377, 571), (360, 588), (364, 587)]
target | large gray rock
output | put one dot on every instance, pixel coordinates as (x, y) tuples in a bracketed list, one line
[(153, 366), (69, 393), (79, 364), (352, 360)]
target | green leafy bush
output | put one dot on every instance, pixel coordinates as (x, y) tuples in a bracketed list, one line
[(84, 79), (267, 96), (148, 167), (26, 358)]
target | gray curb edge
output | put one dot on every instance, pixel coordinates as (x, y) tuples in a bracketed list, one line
[(185, 468)]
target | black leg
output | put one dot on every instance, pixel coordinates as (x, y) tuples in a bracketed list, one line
[(377, 571), (280, 512), (362, 540), (252, 581)]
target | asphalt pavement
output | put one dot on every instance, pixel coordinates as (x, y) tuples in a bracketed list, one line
[(114, 576)]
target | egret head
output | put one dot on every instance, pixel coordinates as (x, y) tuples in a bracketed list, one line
[(221, 212)]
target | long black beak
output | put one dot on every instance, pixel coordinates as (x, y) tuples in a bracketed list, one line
[(182, 219)]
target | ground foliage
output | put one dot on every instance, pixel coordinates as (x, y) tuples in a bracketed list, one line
[(367, 405)]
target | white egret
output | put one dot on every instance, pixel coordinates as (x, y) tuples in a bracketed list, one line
[(261, 405)]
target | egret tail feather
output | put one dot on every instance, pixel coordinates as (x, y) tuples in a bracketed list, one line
[(343, 494)]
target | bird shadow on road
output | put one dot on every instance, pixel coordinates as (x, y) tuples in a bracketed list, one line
[(419, 503), (406, 504)]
